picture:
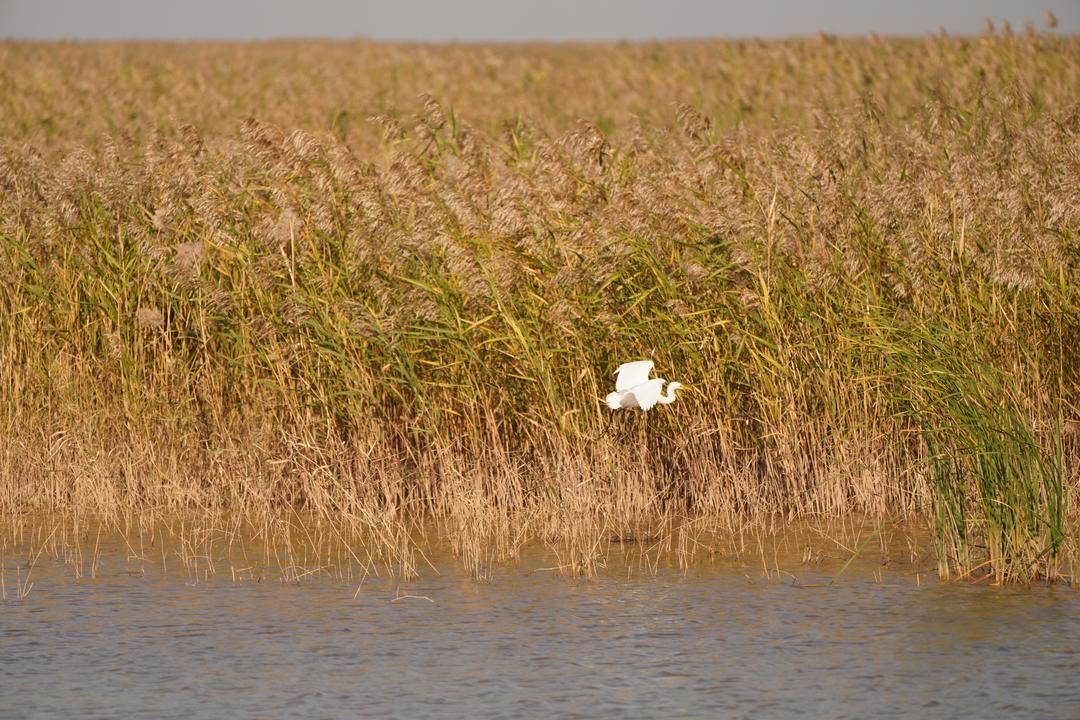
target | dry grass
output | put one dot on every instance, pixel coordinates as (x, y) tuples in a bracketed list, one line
[(248, 281), (294, 549)]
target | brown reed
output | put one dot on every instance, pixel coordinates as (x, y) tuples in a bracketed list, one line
[(310, 287)]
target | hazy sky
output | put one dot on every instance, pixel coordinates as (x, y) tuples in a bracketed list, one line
[(510, 20)]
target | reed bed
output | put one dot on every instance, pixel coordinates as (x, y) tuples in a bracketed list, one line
[(385, 286), (296, 549)]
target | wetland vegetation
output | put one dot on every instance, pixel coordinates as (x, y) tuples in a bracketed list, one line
[(367, 288)]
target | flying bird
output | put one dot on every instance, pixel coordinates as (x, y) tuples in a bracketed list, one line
[(634, 389)]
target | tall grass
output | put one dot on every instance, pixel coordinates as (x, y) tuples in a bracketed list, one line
[(867, 273), (994, 479)]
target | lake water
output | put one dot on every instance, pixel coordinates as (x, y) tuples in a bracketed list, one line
[(723, 640)]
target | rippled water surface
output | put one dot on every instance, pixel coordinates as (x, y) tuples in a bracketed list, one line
[(723, 641)]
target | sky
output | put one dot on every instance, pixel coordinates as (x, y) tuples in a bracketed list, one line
[(511, 20)]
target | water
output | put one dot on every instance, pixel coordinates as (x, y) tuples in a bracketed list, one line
[(716, 641)]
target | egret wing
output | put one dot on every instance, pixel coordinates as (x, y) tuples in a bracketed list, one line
[(631, 374), (648, 393), (615, 400)]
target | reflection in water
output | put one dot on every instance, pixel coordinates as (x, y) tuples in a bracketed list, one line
[(715, 641)]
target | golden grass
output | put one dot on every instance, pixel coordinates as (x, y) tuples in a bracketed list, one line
[(255, 280), (295, 549)]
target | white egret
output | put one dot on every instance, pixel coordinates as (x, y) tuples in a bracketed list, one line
[(634, 389)]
